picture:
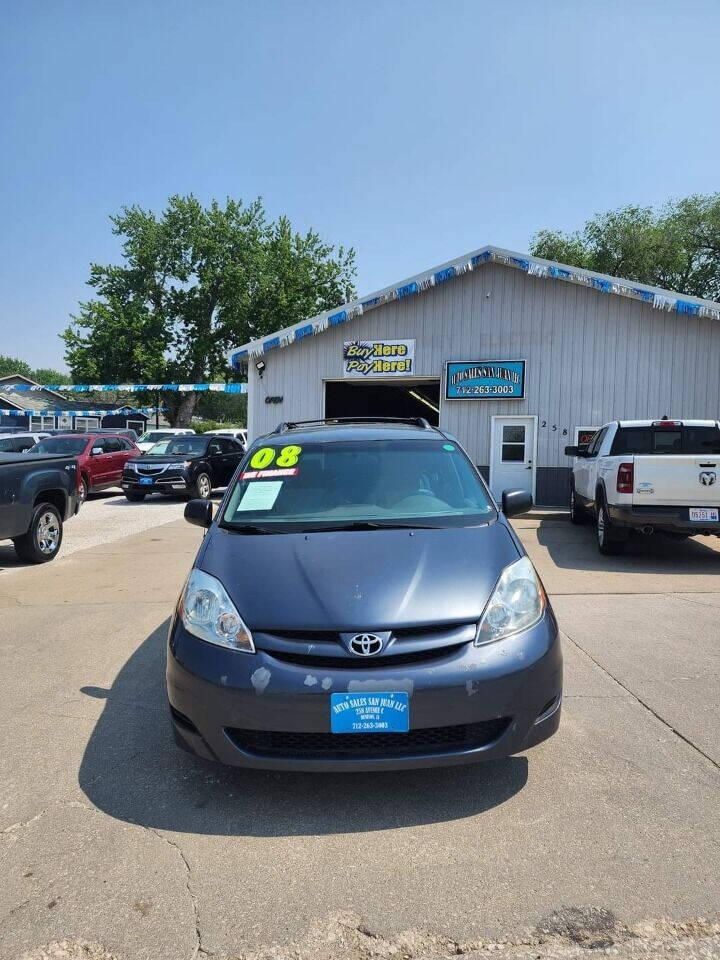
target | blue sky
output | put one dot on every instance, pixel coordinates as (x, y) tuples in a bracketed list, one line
[(414, 131)]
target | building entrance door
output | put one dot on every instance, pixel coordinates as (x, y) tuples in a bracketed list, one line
[(512, 455)]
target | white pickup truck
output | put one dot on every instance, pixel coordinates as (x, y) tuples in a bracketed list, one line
[(648, 475)]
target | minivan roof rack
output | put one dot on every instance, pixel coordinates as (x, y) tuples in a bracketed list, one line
[(414, 421)]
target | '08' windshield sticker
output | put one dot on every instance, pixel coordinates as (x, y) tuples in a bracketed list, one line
[(268, 462)]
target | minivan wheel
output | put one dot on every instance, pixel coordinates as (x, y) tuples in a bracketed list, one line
[(42, 541), (609, 544), (577, 514), (202, 488), (83, 489)]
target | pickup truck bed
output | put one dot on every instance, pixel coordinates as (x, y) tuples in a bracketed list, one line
[(652, 476), (38, 492)]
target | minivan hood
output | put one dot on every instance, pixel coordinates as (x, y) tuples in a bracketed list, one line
[(359, 580)]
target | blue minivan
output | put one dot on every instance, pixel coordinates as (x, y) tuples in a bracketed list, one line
[(360, 602)]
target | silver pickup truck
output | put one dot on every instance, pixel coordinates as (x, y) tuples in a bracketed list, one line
[(38, 492), (648, 475)]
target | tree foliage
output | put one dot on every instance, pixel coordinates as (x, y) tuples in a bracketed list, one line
[(194, 282), (676, 246), (13, 365)]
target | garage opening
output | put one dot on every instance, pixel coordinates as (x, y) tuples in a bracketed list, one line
[(406, 399)]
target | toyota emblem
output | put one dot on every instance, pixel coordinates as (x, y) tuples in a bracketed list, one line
[(708, 478), (366, 644)]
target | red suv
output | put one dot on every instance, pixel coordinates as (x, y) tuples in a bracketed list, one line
[(101, 457)]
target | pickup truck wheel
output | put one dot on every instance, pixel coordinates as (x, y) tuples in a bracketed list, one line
[(577, 514), (134, 496), (609, 544), (42, 541)]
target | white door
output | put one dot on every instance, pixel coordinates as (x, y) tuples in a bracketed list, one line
[(512, 455)]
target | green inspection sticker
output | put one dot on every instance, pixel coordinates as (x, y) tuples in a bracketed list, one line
[(448, 446)]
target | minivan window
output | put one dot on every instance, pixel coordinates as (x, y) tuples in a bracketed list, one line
[(698, 441), (345, 484)]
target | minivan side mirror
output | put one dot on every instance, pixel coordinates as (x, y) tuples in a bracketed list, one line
[(571, 452), (96, 451), (199, 512), (515, 502)]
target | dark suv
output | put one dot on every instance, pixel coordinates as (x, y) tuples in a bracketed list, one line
[(191, 465), (361, 602)]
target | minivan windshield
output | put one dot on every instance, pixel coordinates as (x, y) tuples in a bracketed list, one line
[(72, 446), (286, 487)]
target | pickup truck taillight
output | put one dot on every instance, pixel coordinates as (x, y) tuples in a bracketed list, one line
[(625, 478)]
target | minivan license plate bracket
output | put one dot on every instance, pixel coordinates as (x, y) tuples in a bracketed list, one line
[(370, 712)]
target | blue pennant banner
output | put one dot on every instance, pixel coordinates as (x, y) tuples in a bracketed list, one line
[(78, 413), (125, 387)]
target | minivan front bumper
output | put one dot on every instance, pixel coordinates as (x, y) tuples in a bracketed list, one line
[(254, 710)]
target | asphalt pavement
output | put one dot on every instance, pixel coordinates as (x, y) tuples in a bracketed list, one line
[(606, 837)]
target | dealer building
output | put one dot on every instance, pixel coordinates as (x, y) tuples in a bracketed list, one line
[(516, 356)]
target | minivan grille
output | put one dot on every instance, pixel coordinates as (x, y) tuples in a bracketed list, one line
[(363, 663), (355, 746)]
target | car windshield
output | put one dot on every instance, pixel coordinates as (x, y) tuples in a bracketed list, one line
[(158, 448), (192, 445), (152, 436), (72, 446), (356, 485)]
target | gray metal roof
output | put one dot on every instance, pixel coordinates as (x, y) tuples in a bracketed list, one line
[(37, 400), (656, 297)]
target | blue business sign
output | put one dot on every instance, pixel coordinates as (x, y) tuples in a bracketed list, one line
[(485, 380)]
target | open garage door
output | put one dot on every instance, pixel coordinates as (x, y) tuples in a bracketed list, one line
[(406, 399)]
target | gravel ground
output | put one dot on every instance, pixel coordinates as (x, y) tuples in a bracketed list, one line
[(572, 934), (105, 517)]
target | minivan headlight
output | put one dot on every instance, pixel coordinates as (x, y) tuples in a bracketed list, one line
[(517, 602), (207, 612)]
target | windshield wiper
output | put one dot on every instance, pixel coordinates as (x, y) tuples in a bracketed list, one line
[(369, 525), (249, 528)]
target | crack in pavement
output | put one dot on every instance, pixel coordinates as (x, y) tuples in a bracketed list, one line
[(199, 950), (643, 703)]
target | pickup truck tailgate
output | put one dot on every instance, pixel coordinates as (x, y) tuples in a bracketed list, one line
[(688, 481)]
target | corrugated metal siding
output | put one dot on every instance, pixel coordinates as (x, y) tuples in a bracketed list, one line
[(590, 358)]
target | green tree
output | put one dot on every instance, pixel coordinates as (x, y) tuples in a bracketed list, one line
[(48, 375), (194, 282), (11, 365), (676, 246)]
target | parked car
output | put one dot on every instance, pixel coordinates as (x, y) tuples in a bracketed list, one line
[(189, 465), (237, 433), (151, 437), (37, 494), (648, 475), (101, 457), (361, 602), (19, 442)]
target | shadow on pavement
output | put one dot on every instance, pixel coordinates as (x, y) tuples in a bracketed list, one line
[(575, 547), (132, 770)]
